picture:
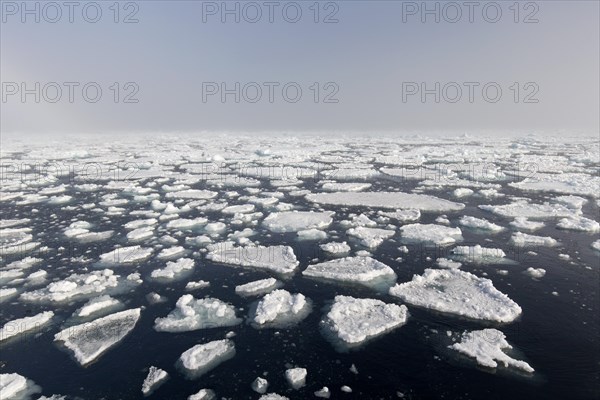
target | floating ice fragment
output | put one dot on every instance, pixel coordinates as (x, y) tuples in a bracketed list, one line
[(279, 259), (259, 287), (370, 237), (192, 314), (389, 200), (430, 234), (351, 321), (364, 270), (296, 377), (23, 325), (457, 292), (89, 341), (294, 221), (260, 385), (525, 240), (280, 309), (486, 347), (155, 378), (201, 358)]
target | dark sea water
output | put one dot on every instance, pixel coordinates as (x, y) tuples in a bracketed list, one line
[(558, 335)]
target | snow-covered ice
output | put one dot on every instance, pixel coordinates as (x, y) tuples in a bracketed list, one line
[(578, 223), (90, 340), (257, 288), (26, 324), (280, 309), (95, 305), (201, 358), (479, 223), (296, 377), (430, 234), (156, 377), (363, 270), (351, 321), (174, 270), (370, 237), (336, 248), (521, 239), (486, 346), (191, 314), (279, 259), (387, 200), (260, 385), (457, 292), (294, 221)]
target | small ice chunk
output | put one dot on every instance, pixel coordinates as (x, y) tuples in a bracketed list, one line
[(259, 287), (272, 396), (280, 309), (23, 325), (294, 221), (95, 305), (197, 285), (311, 234), (457, 292), (323, 393), (260, 385), (171, 253), (486, 347), (346, 389), (203, 394), (296, 377), (192, 314), (174, 270), (352, 321), (336, 248), (462, 192), (407, 215), (364, 270), (524, 224), (370, 237), (535, 272), (449, 264), (201, 358), (155, 378), (595, 245), (578, 223), (479, 223), (125, 256), (477, 254), (90, 340), (526, 240), (430, 234)]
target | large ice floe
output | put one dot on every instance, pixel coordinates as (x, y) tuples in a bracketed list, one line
[(201, 358), (294, 221), (351, 322), (457, 292), (362, 270), (279, 259), (88, 341), (386, 200), (191, 314), (430, 234), (486, 347), (280, 309)]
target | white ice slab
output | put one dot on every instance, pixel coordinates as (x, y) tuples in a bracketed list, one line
[(23, 325), (363, 270), (280, 309), (257, 288), (457, 292), (294, 221), (156, 377), (192, 314), (370, 237), (89, 341), (351, 321), (201, 358), (485, 346), (388, 200), (278, 259), (430, 234)]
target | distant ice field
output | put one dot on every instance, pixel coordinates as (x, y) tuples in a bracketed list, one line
[(363, 269)]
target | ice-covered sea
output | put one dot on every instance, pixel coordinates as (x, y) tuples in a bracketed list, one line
[(243, 268)]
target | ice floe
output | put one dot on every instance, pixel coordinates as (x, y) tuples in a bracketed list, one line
[(278, 259), (478, 255), (260, 385), (192, 314), (280, 309), (16, 387), (351, 321), (457, 292), (336, 248), (156, 377), (294, 221), (521, 239), (523, 223), (370, 237), (363, 270), (430, 234), (486, 346), (479, 223), (96, 305), (531, 210), (296, 377), (578, 224), (388, 200), (125, 256), (23, 325), (257, 288), (201, 358), (90, 340)]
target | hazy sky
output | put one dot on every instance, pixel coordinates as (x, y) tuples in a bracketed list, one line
[(367, 71)]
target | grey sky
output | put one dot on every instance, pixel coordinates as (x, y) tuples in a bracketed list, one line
[(371, 61)]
